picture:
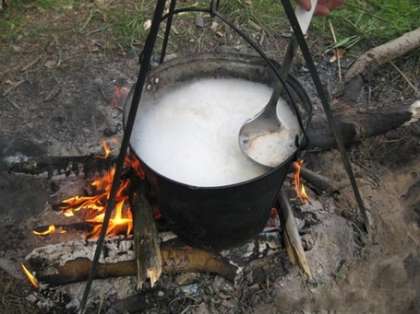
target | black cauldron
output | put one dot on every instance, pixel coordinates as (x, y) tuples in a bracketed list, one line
[(223, 216)]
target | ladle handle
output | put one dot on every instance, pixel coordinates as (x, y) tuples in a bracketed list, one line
[(304, 18)]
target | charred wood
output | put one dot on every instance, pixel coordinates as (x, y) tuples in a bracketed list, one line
[(293, 242), (146, 239), (318, 182), (54, 165), (354, 127)]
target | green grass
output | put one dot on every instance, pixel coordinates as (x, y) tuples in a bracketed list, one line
[(256, 14), (372, 22), (127, 23), (359, 22), (12, 20)]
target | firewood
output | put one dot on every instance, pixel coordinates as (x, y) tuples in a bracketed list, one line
[(70, 262), (319, 182), (293, 242), (146, 240), (384, 53), (53, 165), (356, 126)]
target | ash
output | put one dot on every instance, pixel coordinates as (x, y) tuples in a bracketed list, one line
[(263, 263)]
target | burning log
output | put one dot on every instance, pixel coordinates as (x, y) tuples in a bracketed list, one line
[(146, 240), (57, 165), (70, 262), (291, 235), (319, 182)]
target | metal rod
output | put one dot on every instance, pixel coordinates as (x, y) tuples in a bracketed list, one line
[(144, 68), (277, 73), (167, 30), (326, 105)]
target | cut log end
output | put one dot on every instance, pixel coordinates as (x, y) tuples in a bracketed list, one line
[(415, 113)]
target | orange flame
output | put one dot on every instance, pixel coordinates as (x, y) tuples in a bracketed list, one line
[(31, 278), (299, 187), (91, 208)]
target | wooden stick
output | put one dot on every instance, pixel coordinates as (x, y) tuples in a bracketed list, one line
[(146, 240), (384, 53), (291, 234), (319, 182), (174, 260)]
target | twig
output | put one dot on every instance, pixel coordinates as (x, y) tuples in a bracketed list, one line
[(60, 54), (336, 50), (53, 93), (14, 104), (30, 64), (405, 77), (17, 84)]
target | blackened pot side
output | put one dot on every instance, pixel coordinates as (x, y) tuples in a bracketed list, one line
[(223, 216)]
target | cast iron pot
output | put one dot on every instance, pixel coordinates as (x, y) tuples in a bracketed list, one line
[(223, 216)]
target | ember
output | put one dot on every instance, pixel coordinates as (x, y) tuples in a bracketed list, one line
[(50, 230), (31, 278), (297, 182)]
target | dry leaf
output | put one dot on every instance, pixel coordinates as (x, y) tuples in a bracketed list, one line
[(147, 24), (338, 54)]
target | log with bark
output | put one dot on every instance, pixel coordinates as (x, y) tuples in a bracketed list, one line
[(382, 54), (70, 261), (355, 126)]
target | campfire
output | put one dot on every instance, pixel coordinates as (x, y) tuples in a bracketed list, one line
[(90, 208)]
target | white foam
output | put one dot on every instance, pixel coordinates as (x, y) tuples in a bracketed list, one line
[(190, 133)]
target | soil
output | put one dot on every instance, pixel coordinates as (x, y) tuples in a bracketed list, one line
[(56, 91)]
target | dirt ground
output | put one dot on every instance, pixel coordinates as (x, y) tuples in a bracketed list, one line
[(56, 89)]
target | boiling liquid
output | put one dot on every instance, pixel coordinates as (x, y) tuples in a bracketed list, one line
[(190, 133)]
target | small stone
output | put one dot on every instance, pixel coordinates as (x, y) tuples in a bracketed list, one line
[(308, 242), (214, 26), (186, 278), (202, 309), (108, 132), (50, 64), (199, 21), (160, 293)]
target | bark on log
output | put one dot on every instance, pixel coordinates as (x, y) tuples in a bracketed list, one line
[(384, 53), (55, 265), (146, 240), (354, 127)]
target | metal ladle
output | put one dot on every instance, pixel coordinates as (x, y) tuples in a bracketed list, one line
[(261, 137)]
